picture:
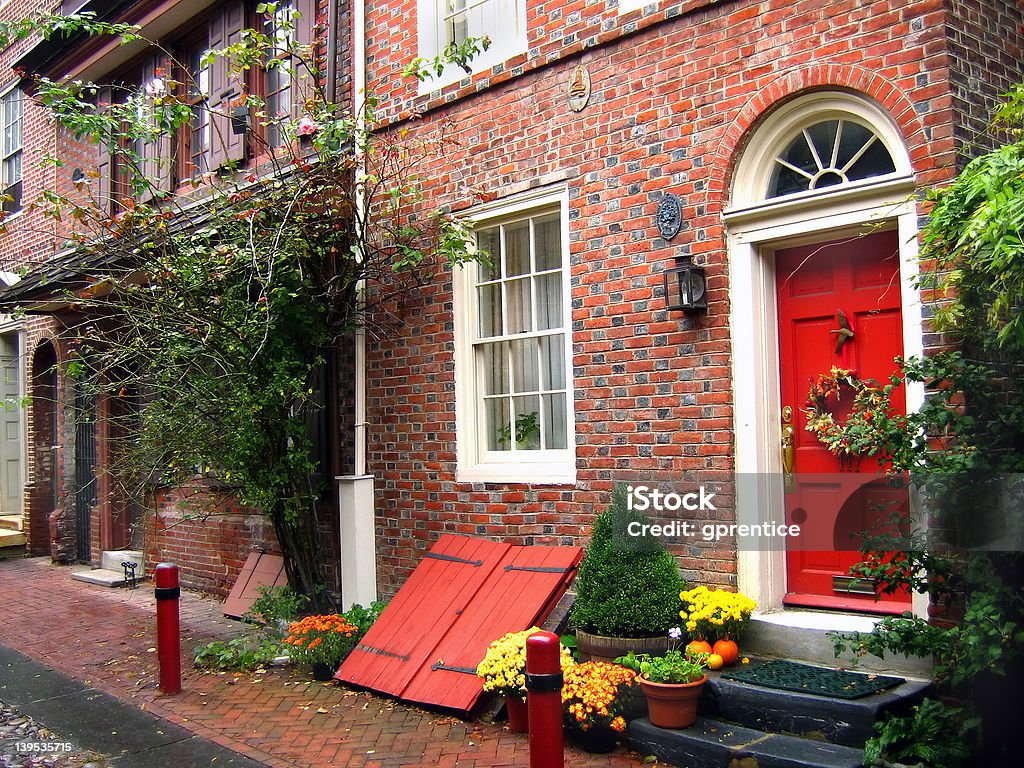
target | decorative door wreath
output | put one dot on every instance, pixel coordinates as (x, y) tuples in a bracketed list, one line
[(863, 432)]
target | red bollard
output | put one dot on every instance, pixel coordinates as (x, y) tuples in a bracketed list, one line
[(544, 700), (168, 632)]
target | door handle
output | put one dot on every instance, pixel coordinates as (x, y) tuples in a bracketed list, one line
[(788, 450)]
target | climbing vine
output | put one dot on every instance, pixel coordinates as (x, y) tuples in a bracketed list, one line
[(964, 452), (208, 317)]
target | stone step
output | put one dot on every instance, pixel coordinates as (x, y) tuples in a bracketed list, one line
[(11, 538), (807, 635), (840, 721), (12, 523), (104, 577), (111, 560), (712, 743)]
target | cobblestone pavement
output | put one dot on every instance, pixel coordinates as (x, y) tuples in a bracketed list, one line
[(24, 743), (106, 638)]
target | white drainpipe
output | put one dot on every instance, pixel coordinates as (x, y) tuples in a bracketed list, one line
[(355, 492)]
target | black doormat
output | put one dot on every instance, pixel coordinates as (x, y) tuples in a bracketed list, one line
[(803, 678)]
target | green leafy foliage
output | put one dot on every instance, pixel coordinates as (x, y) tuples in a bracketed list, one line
[(364, 618), (965, 451), (276, 604), (934, 734), (222, 307), (627, 586), (674, 667), (459, 54), (241, 654)]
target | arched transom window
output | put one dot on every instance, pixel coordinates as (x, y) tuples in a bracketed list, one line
[(820, 144), (828, 153)]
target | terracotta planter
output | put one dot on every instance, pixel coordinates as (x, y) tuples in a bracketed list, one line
[(672, 705), (603, 648), (518, 714)]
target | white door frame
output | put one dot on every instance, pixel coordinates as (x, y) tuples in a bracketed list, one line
[(753, 235)]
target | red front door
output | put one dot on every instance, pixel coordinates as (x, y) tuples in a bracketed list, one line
[(832, 499)]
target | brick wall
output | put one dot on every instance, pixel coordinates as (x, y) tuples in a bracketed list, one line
[(981, 72), (210, 552), (677, 88), (207, 534), (29, 237)]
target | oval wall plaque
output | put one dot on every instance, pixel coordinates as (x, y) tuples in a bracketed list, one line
[(579, 88), (669, 217)]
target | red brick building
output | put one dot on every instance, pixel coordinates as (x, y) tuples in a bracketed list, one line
[(787, 142), (772, 153), (57, 452)]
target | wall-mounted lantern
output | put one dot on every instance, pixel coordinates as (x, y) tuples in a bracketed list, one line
[(240, 119), (685, 286)]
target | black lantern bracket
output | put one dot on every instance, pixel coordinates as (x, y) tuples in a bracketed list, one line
[(686, 286)]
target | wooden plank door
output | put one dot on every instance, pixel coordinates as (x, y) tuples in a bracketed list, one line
[(833, 499), (466, 592), (409, 630)]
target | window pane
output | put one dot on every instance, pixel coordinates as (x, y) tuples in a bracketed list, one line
[(851, 140), (555, 432), (846, 151), (548, 243), (518, 297), (876, 161), (517, 248), (489, 297), (823, 135), (549, 301), (456, 21), (495, 362), (552, 362), (524, 366), (527, 422), (499, 424), (489, 241)]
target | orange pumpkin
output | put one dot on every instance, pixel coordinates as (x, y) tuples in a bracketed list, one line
[(728, 650), (698, 646)]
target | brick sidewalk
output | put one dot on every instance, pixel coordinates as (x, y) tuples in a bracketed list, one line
[(106, 638)]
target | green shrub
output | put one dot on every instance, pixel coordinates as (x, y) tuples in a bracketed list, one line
[(362, 617), (627, 586), (934, 734), (276, 604), (241, 653)]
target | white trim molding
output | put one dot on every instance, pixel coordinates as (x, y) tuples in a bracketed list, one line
[(475, 462), (756, 227)]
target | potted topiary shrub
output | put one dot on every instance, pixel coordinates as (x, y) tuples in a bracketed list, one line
[(627, 589)]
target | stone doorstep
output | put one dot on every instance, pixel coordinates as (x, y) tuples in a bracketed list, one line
[(12, 538), (12, 523), (713, 744), (111, 560), (805, 635), (751, 725), (100, 576), (841, 721)]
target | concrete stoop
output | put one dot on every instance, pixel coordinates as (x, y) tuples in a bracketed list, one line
[(111, 572), (11, 531), (751, 726)]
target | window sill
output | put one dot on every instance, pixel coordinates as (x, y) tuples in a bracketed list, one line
[(519, 473), (482, 64)]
